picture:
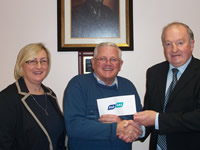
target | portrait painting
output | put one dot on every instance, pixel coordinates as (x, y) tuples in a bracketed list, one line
[(83, 24), (94, 18)]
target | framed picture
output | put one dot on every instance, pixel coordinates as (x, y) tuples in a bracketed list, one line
[(84, 62), (82, 24)]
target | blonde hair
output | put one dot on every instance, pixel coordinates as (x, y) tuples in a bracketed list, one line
[(29, 52)]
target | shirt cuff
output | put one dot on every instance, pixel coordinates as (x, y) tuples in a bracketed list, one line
[(143, 132), (156, 122)]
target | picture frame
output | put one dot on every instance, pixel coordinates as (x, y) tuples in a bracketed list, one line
[(84, 62), (68, 42)]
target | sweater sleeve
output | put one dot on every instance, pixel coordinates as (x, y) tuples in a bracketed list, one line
[(81, 120)]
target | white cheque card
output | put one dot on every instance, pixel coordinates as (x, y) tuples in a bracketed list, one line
[(119, 105)]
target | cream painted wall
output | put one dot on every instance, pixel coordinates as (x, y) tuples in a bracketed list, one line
[(27, 21)]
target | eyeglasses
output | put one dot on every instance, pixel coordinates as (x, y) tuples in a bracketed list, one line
[(35, 62), (111, 60)]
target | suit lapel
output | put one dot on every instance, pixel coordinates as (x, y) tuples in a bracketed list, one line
[(186, 77), (163, 81)]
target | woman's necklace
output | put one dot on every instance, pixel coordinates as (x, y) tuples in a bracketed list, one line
[(44, 109)]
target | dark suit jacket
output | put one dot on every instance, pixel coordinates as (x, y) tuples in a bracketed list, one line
[(21, 126), (181, 122)]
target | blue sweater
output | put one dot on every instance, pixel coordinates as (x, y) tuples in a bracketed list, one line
[(81, 114)]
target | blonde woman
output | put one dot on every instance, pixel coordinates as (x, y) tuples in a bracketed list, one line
[(30, 116)]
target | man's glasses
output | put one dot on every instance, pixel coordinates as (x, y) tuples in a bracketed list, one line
[(35, 62), (111, 60)]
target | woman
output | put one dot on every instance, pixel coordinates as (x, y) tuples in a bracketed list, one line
[(29, 112)]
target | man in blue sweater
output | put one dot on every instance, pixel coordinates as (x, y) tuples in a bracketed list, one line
[(86, 129)]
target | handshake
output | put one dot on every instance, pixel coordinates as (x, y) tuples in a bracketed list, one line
[(129, 130)]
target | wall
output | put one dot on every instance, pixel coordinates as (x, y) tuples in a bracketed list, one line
[(27, 21)]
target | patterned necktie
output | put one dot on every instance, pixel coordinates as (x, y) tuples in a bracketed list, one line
[(162, 138)]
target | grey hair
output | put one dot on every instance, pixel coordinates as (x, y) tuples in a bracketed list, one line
[(189, 31), (107, 44)]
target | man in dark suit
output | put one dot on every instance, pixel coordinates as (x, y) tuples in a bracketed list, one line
[(178, 122)]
